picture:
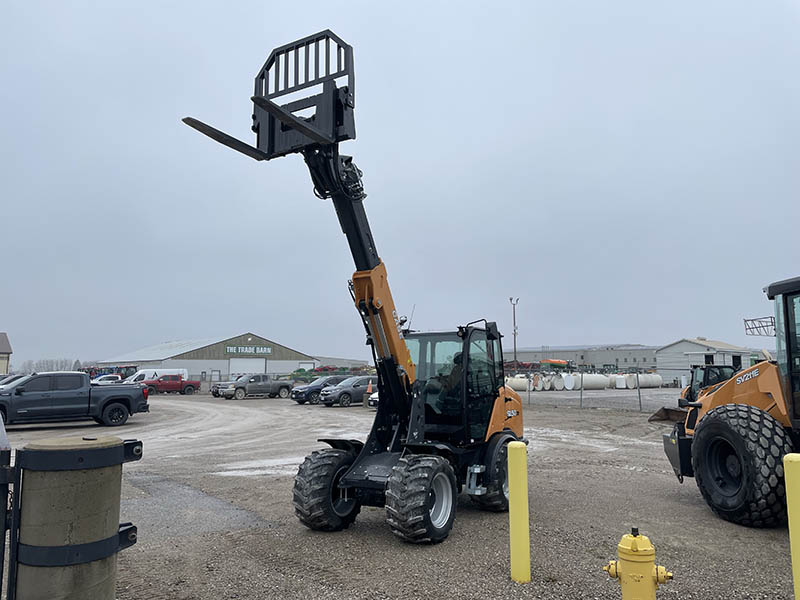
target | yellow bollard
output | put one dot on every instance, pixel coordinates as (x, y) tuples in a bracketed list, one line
[(791, 472), (518, 520), (636, 568)]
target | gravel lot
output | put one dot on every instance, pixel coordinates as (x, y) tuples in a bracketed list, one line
[(212, 500)]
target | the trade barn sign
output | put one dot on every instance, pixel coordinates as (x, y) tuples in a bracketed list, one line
[(249, 350)]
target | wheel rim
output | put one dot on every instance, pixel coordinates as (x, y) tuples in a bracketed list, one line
[(283, 393), (239, 394), (441, 500), (314, 398), (116, 415), (724, 466), (342, 505), (344, 400), (505, 483)]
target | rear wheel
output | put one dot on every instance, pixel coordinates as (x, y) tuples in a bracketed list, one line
[(239, 394), (737, 457), (284, 392), (318, 501), (345, 400), (421, 499), (115, 414), (496, 497), (313, 398)]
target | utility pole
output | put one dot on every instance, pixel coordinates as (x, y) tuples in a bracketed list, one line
[(514, 318)]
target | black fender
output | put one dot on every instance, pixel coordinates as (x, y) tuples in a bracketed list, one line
[(354, 446), (493, 447), (124, 400)]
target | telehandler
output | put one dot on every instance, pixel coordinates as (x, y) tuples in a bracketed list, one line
[(738, 429), (444, 417)]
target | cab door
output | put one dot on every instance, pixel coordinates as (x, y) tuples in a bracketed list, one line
[(481, 386), (70, 395), (792, 304), (33, 399)]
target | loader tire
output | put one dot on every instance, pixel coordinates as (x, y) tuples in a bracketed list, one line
[(737, 457), (421, 497), (496, 497), (318, 502)]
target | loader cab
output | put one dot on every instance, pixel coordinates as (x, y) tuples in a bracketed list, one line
[(458, 376), (786, 294), (704, 376)]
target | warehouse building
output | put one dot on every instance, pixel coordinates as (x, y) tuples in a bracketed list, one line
[(677, 359), (605, 356), (218, 359), (5, 353)]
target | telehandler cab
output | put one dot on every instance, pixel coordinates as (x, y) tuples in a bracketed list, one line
[(445, 416), (738, 429)]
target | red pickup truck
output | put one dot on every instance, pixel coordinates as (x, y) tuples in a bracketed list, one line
[(169, 384)]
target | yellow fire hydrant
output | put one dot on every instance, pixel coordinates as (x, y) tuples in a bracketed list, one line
[(636, 568)]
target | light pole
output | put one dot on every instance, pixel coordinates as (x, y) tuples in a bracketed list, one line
[(514, 318)]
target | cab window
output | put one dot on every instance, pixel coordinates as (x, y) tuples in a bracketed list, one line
[(38, 384)]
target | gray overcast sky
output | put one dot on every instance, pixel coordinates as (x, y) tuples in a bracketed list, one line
[(630, 171)]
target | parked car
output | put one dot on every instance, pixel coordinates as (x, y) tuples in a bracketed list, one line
[(348, 391), (217, 387), (372, 401), (310, 392), (145, 374), (68, 396), (256, 385), (169, 384), (6, 379), (106, 379)]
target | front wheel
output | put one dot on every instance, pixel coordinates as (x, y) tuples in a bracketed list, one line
[(421, 499), (345, 400), (152, 390), (188, 390), (318, 501), (737, 457), (239, 394), (115, 414), (313, 398)]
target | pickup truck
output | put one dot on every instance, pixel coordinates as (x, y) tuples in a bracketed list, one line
[(169, 384), (69, 396), (254, 385)]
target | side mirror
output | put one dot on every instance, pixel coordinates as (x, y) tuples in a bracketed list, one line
[(20, 389)]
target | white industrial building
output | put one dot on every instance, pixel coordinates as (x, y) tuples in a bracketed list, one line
[(621, 357), (217, 359), (677, 359)]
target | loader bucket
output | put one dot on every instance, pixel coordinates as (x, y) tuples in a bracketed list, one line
[(668, 413)]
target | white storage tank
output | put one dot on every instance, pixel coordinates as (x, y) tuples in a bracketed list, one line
[(558, 382), (517, 383), (646, 380), (538, 382), (547, 383), (592, 381), (620, 383), (571, 382)]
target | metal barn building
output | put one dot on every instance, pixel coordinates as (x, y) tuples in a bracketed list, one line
[(5, 353), (216, 359), (677, 358)]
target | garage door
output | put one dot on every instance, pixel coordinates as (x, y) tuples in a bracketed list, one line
[(247, 365)]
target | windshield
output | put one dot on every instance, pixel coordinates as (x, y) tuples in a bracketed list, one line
[(320, 380), (16, 382), (348, 381)]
